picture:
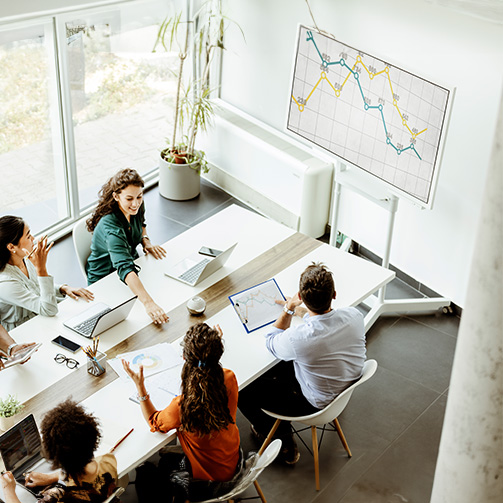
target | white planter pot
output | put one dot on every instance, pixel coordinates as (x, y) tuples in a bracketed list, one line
[(7, 422), (179, 181)]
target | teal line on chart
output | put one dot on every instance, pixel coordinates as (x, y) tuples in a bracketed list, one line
[(367, 107)]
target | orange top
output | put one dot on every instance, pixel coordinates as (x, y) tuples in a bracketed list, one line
[(214, 456)]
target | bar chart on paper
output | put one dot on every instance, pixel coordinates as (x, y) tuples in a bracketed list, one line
[(374, 115)]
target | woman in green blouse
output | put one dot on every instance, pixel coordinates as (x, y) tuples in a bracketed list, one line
[(118, 227)]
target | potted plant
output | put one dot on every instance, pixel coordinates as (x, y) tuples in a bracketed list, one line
[(180, 162), (9, 407)]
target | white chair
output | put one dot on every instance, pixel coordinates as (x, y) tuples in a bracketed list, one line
[(253, 467), (82, 243), (114, 495), (329, 414)]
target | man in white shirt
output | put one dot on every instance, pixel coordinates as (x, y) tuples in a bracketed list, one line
[(320, 359)]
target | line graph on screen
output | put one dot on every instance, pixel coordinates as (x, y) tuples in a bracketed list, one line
[(374, 115)]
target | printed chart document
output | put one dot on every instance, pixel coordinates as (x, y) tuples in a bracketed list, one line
[(154, 359), (256, 306)]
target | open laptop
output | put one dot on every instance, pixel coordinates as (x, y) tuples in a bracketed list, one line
[(21, 452), (194, 268), (99, 317)]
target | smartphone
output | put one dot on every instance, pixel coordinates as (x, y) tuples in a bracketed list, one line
[(211, 252), (66, 343)]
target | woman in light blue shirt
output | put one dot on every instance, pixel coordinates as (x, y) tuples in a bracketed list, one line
[(26, 288)]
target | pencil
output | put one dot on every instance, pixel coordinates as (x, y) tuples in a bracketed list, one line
[(121, 440)]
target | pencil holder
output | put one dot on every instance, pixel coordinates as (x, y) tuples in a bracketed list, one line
[(98, 365)]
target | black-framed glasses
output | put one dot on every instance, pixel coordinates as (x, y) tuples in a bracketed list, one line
[(70, 362)]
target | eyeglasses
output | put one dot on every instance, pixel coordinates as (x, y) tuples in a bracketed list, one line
[(70, 362)]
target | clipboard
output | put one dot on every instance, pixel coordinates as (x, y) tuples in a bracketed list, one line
[(256, 306)]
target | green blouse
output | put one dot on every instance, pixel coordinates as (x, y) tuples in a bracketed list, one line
[(114, 243)]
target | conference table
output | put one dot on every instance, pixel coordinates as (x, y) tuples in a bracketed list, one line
[(265, 249)]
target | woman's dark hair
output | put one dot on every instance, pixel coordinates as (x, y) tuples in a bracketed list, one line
[(316, 288), (70, 436), (204, 404), (11, 231), (106, 203)]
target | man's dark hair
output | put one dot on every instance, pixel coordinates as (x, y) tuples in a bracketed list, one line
[(70, 435), (316, 288)]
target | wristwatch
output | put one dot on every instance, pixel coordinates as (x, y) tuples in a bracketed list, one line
[(288, 311)]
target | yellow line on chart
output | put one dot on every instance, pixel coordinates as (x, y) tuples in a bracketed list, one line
[(371, 76), (316, 85)]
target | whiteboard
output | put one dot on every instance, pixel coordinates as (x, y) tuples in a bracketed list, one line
[(374, 115)]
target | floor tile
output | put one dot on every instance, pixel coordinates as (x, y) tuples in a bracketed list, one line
[(415, 351), (386, 405), (187, 212), (405, 471)]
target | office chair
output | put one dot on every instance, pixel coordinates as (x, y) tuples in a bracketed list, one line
[(114, 495), (325, 416), (82, 243), (248, 475)]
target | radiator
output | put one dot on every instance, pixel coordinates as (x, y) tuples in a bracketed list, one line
[(268, 171)]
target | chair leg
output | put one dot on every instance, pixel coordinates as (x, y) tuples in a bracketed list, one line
[(342, 437), (268, 439), (316, 457), (259, 491)]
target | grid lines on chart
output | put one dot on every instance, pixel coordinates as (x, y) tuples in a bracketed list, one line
[(377, 116)]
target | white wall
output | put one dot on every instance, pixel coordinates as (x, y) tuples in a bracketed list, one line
[(433, 246)]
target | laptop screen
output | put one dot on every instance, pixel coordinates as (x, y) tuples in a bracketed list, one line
[(21, 445)]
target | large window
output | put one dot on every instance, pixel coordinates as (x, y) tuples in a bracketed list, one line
[(31, 163), (82, 95)]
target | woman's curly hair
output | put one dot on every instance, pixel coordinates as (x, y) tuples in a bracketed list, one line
[(106, 203), (204, 406), (70, 435)]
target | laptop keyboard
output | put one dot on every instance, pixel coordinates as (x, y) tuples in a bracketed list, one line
[(87, 327), (191, 275)]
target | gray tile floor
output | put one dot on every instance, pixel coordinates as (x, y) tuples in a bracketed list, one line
[(392, 423)]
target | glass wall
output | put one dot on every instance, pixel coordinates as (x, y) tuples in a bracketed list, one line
[(31, 154), (121, 92), (82, 95)]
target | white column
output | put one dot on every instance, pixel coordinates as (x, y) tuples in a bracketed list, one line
[(470, 461)]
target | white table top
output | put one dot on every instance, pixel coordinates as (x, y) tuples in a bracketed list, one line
[(245, 354)]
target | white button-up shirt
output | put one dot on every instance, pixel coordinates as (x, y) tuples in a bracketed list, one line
[(328, 352)]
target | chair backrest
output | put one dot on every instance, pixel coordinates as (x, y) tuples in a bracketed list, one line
[(114, 495), (252, 469), (332, 410), (82, 243)]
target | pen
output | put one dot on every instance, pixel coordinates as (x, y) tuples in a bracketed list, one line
[(121, 440)]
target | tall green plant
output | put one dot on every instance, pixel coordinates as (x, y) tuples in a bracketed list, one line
[(193, 105)]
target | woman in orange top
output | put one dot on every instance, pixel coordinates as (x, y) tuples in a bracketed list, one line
[(204, 415)]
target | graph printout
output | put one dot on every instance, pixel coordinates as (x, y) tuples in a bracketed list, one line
[(376, 116), (256, 306)]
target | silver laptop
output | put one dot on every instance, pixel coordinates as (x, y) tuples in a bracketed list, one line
[(195, 267), (21, 452), (99, 317)]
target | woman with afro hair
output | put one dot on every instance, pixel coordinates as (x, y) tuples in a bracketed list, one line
[(70, 436)]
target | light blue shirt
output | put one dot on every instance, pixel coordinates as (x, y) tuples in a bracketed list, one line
[(327, 350)]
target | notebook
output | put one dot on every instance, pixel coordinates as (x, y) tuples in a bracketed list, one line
[(99, 317), (21, 452), (194, 268)]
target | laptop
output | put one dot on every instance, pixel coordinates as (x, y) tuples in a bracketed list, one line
[(21, 452), (194, 268), (99, 317)]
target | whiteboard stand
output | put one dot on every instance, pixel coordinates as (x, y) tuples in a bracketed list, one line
[(377, 303)]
